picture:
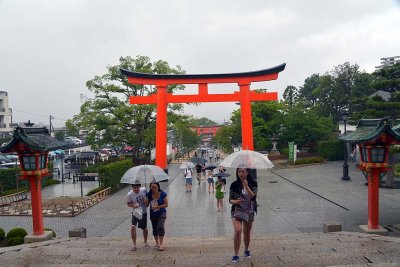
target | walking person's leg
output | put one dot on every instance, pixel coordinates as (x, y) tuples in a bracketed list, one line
[(143, 225), (133, 232), (246, 237), (154, 222), (237, 236), (161, 232)]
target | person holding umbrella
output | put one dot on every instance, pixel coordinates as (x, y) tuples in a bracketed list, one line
[(158, 213), (242, 196), (136, 198)]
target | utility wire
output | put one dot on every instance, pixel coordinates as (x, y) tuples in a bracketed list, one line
[(39, 115)]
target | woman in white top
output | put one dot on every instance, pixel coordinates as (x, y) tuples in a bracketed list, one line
[(188, 177)]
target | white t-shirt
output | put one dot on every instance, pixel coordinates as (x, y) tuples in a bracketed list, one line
[(139, 198), (188, 173)]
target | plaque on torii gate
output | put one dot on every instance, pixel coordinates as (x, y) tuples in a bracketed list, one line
[(162, 98)]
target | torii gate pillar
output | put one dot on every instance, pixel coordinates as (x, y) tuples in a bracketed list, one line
[(162, 98)]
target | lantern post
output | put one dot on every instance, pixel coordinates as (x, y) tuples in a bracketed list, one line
[(374, 136), (32, 145)]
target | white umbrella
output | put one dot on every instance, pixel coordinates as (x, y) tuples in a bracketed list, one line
[(247, 159), (186, 165), (143, 174)]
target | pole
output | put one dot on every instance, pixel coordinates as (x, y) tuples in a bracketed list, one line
[(36, 198), (161, 127), (373, 199), (246, 118), (345, 176)]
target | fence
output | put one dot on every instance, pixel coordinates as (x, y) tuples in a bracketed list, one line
[(56, 208), (6, 200)]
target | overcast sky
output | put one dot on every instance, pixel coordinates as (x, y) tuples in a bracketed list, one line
[(49, 49)]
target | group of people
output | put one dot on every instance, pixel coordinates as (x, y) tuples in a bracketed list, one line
[(242, 197), (139, 198)]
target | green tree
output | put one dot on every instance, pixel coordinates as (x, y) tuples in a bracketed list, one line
[(290, 95), (186, 139), (59, 135), (305, 127), (109, 118), (306, 92), (223, 138), (387, 79)]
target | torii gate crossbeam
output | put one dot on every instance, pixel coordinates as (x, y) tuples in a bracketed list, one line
[(162, 98)]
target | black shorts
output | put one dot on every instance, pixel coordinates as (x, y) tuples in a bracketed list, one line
[(224, 180), (142, 224)]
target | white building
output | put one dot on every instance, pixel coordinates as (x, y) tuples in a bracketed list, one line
[(5, 114), (388, 62)]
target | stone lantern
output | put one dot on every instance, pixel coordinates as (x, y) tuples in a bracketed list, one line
[(374, 136), (33, 145)]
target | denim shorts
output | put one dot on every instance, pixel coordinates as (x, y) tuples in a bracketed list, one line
[(188, 180)]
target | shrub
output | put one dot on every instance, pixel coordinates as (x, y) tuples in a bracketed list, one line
[(2, 234), (110, 174), (309, 160), (16, 232), (50, 182), (49, 229), (15, 241), (331, 150), (94, 191)]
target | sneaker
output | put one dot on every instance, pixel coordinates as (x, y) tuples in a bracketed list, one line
[(235, 259), (247, 253)]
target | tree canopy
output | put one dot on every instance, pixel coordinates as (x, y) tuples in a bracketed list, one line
[(110, 119)]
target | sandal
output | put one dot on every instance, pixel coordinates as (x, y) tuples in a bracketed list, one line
[(160, 249), (156, 246), (134, 248)]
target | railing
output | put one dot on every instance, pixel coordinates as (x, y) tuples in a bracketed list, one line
[(90, 201), (6, 200), (53, 208)]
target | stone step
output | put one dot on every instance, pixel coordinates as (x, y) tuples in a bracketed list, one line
[(314, 249)]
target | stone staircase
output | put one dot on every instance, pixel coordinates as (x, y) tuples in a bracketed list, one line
[(307, 249)]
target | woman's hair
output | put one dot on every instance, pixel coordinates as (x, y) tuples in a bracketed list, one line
[(157, 184), (249, 177)]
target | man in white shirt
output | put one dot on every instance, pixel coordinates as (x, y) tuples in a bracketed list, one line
[(137, 198)]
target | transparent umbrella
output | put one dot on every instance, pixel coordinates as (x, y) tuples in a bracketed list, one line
[(247, 159), (186, 165), (144, 174)]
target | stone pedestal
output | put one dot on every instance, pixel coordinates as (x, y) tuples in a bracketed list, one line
[(378, 231), (79, 232), (47, 235), (331, 226)]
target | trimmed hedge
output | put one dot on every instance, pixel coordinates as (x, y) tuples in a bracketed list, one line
[(110, 175), (16, 232), (15, 241), (309, 160), (2, 234), (94, 191), (331, 150)]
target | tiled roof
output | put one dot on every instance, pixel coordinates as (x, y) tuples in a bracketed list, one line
[(34, 138), (370, 129)]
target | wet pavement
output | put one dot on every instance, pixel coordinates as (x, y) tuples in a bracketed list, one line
[(291, 200), (294, 203)]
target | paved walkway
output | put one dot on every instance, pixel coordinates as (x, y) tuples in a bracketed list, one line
[(292, 201)]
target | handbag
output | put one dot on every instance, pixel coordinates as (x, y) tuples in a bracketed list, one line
[(242, 214), (138, 213)]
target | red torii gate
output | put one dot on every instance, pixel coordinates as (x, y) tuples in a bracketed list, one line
[(162, 98)]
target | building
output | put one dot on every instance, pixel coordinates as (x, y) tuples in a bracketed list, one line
[(206, 133), (5, 115), (388, 62)]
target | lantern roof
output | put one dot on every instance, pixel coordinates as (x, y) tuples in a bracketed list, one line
[(369, 130), (34, 138)]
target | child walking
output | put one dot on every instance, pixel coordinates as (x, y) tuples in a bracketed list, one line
[(219, 195), (210, 181)]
